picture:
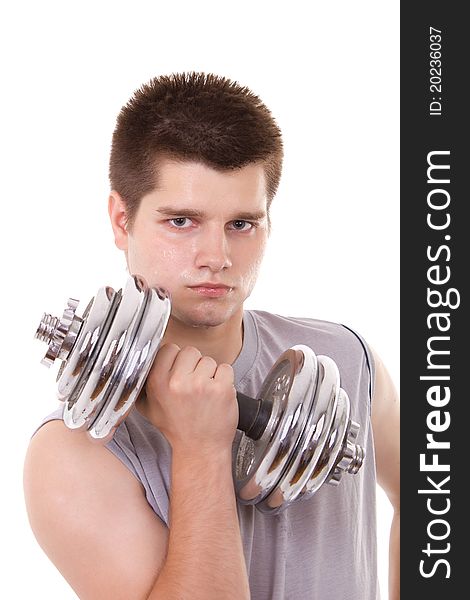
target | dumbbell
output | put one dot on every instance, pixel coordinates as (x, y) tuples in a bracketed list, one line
[(297, 435)]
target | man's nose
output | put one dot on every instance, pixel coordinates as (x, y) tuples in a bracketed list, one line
[(213, 250)]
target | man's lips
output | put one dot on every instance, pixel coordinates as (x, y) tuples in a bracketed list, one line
[(211, 290)]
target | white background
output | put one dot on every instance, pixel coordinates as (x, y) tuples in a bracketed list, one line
[(329, 73)]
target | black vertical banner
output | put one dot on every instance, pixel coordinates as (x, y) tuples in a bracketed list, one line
[(435, 356)]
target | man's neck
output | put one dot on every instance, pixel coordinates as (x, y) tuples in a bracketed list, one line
[(223, 343)]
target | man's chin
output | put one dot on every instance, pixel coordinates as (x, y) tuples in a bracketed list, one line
[(202, 319), (193, 321)]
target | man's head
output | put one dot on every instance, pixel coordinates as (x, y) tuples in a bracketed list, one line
[(193, 117), (195, 163)]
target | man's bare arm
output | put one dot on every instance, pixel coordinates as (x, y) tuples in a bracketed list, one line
[(91, 517), (386, 427)]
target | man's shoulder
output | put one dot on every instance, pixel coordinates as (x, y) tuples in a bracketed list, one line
[(62, 466), (57, 452), (138, 457)]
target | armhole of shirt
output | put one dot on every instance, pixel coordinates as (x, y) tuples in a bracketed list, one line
[(369, 361)]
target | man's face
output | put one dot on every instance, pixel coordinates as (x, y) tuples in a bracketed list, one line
[(201, 235)]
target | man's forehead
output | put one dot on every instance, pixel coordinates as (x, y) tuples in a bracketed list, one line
[(196, 189)]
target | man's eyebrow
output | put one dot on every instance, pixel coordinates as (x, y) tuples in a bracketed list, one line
[(251, 216), (176, 210), (191, 212)]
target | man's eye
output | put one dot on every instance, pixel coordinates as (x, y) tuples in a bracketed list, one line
[(180, 222), (240, 225)]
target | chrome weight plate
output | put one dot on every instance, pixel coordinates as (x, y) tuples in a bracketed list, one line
[(304, 463), (332, 448), (132, 371), (290, 386), (80, 413)]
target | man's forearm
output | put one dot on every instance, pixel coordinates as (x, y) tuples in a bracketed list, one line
[(205, 554)]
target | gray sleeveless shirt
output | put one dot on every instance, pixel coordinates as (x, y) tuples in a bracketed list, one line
[(322, 548)]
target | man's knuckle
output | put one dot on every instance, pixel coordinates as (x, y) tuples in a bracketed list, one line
[(208, 361), (191, 351)]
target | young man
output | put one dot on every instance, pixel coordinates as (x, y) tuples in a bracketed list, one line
[(195, 162)]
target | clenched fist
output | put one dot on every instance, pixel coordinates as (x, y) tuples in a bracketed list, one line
[(191, 399)]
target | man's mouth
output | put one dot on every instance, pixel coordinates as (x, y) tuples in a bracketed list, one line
[(211, 290)]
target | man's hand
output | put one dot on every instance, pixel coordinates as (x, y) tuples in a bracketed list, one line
[(191, 399)]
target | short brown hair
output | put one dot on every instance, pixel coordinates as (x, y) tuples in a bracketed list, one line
[(196, 117)]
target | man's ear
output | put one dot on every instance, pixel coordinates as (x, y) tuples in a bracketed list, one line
[(118, 216)]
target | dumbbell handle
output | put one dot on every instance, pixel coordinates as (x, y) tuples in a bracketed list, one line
[(253, 415)]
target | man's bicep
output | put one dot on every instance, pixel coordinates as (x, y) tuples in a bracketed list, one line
[(90, 516)]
